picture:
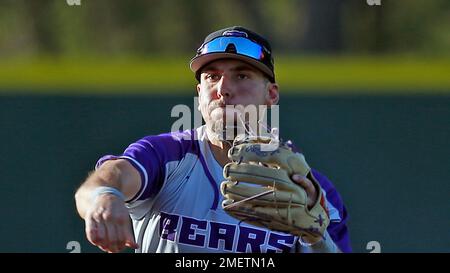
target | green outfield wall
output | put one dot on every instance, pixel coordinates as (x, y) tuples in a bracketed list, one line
[(387, 155)]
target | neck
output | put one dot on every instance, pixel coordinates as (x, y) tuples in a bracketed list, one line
[(219, 150), (220, 153)]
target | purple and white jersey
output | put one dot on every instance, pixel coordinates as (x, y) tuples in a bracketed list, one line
[(178, 208)]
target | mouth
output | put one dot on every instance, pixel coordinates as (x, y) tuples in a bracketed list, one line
[(215, 105)]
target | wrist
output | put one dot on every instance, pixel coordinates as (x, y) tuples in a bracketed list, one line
[(324, 245), (308, 243), (98, 191)]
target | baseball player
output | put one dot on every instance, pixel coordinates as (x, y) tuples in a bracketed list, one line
[(172, 185)]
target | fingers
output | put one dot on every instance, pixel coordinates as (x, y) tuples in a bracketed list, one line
[(122, 234), (304, 182), (113, 238), (106, 233), (309, 187), (110, 229), (129, 238), (96, 231)]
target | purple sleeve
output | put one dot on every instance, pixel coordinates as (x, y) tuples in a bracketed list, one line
[(337, 229), (150, 155)]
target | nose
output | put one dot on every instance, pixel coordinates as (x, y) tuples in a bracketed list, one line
[(224, 87)]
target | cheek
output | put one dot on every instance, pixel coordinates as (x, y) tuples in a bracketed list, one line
[(256, 96), (204, 93), (203, 103)]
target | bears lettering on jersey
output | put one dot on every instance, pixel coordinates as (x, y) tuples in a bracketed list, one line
[(234, 238)]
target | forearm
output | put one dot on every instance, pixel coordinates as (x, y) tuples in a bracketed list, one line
[(117, 174), (105, 176)]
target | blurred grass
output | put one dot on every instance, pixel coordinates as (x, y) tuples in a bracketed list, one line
[(295, 74)]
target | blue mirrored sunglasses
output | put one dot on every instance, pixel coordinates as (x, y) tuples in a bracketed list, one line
[(240, 45)]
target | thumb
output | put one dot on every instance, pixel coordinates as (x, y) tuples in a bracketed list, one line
[(132, 245), (130, 242), (129, 238)]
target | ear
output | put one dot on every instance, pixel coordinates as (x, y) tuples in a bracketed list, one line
[(273, 95), (199, 97)]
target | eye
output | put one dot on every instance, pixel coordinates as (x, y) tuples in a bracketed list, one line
[(212, 77), (242, 76)]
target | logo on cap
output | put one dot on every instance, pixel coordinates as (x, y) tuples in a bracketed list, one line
[(236, 33)]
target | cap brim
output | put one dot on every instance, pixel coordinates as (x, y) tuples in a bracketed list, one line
[(200, 61)]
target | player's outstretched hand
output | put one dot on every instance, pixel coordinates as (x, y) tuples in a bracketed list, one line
[(108, 224)]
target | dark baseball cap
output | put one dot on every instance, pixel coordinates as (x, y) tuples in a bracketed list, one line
[(236, 43)]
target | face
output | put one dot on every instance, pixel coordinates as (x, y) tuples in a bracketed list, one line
[(232, 82)]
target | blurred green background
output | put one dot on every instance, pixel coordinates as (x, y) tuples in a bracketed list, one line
[(364, 92)]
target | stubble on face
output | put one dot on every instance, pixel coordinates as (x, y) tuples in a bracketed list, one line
[(223, 121)]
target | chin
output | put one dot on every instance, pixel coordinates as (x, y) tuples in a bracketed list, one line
[(221, 131)]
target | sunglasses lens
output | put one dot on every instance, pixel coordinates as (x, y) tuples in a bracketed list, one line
[(242, 46)]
